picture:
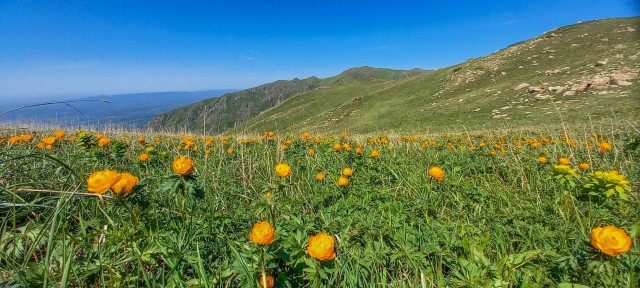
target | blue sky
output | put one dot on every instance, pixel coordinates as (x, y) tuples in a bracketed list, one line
[(81, 48)]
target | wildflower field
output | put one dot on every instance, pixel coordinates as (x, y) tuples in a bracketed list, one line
[(511, 209)]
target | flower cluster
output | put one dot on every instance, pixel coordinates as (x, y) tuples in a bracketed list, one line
[(100, 182)]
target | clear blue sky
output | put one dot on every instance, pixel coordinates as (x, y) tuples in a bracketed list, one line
[(53, 48)]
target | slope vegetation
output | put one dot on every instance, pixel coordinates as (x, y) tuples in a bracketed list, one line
[(585, 72), (221, 113)]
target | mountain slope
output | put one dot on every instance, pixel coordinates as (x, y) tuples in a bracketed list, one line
[(578, 73), (219, 114)]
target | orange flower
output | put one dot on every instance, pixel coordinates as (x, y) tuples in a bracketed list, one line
[(319, 176), (347, 172), (144, 157), (103, 142), (542, 159), (583, 166), (126, 184), (99, 182), (182, 165), (358, 150), (270, 282), (59, 134), (374, 153), (262, 233), (436, 172), (343, 181), (140, 139), (49, 140), (337, 147), (610, 240), (283, 170), (605, 146), (229, 150), (312, 152), (322, 247), (564, 161)]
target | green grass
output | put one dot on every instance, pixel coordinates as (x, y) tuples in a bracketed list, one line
[(475, 93), (493, 221)]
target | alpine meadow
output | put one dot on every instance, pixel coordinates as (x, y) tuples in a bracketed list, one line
[(516, 169)]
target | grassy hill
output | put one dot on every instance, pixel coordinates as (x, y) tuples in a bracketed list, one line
[(579, 73), (219, 114)]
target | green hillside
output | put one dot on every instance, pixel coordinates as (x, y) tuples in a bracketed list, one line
[(219, 114), (579, 73)]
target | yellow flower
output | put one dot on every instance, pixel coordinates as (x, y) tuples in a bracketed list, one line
[(319, 176), (59, 134), (436, 172), (609, 183), (49, 140), (605, 146), (542, 159), (583, 166), (564, 169), (144, 157), (229, 150), (270, 281), (374, 153), (262, 233), (337, 147), (126, 184), (99, 182), (322, 247), (564, 161), (347, 172), (283, 170), (610, 240), (343, 181), (103, 142), (183, 165)]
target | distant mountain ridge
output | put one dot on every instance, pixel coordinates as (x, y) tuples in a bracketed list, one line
[(124, 110), (222, 113)]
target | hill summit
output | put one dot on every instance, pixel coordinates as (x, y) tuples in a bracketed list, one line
[(582, 73), (216, 115)]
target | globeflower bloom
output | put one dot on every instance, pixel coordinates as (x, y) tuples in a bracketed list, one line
[(343, 181), (182, 165), (374, 153), (542, 159), (319, 176), (262, 233), (283, 170), (103, 142), (436, 172), (270, 281), (564, 161), (144, 157), (583, 166), (126, 184), (99, 182), (610, 240), (605, 146), (347, 172), (59, 134), (322, 247)]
